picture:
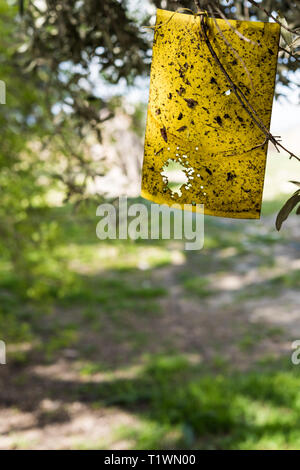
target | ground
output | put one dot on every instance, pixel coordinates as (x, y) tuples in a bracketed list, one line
[(146, 345)]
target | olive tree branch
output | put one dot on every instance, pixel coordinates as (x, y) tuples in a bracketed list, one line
[(289, 53), (270, 15), (240, 94)]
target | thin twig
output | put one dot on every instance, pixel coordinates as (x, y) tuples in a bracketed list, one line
[(240, 95), (230, 46), (289, 53), (198, 6), (257, 5), (240, 35), (249, 150), (259, 145), (234, 87)]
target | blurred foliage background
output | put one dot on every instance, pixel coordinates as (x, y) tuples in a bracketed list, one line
[(130, 344)]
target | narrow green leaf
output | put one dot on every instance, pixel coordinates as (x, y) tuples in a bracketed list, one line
[(287, 209)]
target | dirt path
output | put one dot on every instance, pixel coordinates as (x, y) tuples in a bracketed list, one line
[(249, 311)]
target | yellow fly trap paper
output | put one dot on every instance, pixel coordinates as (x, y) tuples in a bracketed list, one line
[(202, 146)]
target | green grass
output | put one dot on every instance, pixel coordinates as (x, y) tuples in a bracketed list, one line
[(119, 283), (256, 333), (114, 287), (88, 292), (270, 287), (180, 405), (198, 286)]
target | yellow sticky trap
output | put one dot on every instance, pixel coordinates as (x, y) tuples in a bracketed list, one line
[(200, 142)]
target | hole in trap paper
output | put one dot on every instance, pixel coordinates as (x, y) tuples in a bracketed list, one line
[(174, 176)]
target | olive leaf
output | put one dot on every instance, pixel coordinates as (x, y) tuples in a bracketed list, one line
[(287, 35), (297, 183), (295, 46), (298, 210), (287, 209)]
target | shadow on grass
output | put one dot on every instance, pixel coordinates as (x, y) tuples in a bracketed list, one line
[(181, 405), (178, 404)]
